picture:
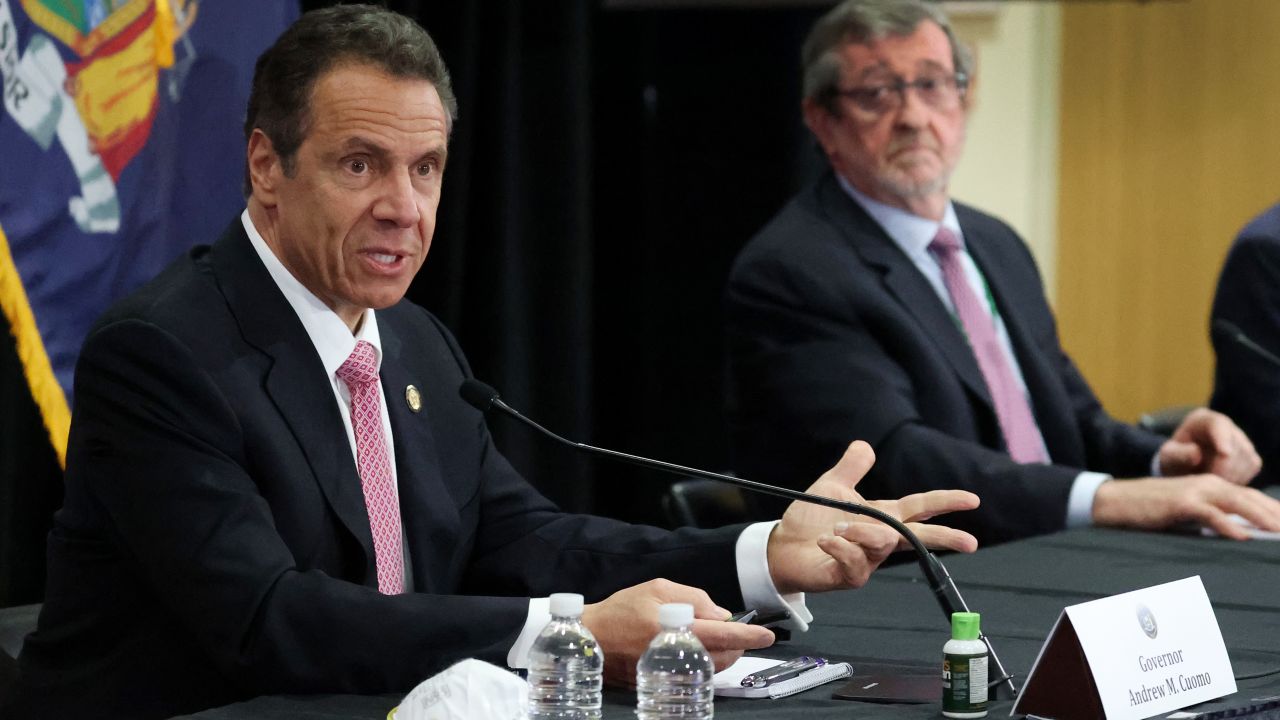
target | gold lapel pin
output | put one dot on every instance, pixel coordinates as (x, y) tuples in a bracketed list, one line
[(414, 398)]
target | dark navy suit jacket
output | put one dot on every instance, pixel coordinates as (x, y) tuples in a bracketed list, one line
[(214, 542), (1246, 384), (834, 335)]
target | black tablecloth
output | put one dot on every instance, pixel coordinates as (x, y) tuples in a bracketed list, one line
[(1020, 588)]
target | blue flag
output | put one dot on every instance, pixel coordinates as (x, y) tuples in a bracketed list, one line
[(120, 147)]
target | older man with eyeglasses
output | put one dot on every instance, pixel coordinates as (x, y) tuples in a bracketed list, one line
[(872, 306)]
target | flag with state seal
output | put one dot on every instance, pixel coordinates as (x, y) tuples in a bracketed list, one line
[(120, 147)]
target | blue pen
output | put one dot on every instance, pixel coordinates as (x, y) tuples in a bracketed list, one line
[(785, 671)]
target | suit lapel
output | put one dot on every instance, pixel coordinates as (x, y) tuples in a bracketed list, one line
[(905, 283), (430, 520), (296, 381)]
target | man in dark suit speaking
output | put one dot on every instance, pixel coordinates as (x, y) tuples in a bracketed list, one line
[(272, 485), (873, 306)]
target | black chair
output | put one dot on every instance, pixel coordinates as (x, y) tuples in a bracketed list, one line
[(1165, 420), (15, 624), (8, 673), (704, 504)]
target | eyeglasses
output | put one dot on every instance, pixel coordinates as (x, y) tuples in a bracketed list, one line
[(940, 92)]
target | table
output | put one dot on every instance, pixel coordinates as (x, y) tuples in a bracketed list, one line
[(1020, 588)]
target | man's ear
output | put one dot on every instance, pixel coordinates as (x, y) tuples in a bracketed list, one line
[(967, 99), (266, 170), (821, 123)]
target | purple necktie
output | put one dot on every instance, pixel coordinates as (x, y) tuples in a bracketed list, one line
[(360, 373), (1012, 410)]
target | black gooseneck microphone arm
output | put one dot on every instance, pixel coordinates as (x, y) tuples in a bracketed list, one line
[(1232, 332), (485, 398)]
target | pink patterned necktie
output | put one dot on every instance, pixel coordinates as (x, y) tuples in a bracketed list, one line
[(1012, 410), (360, 373)]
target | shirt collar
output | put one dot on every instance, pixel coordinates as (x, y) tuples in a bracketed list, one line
[(910, 232), (331, 337)]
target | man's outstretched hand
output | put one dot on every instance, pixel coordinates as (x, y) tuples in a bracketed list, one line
[(816, 548)]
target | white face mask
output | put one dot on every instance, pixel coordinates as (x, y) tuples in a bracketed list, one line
[(469, 690)]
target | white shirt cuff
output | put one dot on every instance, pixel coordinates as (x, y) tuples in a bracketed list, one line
[(1080, 501), (539, 616), (758, 590)]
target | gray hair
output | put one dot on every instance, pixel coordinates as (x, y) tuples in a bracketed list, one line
[(864, 21), (321, 40)]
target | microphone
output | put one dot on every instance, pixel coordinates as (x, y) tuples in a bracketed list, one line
[(1228, 329), (484, 398)]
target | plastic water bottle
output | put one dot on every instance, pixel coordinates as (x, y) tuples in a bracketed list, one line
[(566, 666), (674, 677)]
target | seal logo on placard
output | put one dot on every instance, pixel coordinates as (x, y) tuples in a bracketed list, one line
[(1147, 621)]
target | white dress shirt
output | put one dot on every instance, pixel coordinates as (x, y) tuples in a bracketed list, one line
[(334, 342), (912, 234)]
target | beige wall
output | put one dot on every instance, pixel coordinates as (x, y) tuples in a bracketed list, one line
[(1010, 167), (1170, 141)]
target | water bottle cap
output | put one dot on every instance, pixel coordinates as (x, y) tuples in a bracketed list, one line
[(965, 625), (675, 615), (566, 605)]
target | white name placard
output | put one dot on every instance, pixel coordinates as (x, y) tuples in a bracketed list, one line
[(1131, 656)]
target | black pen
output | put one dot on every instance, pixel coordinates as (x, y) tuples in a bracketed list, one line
[(785, 671)]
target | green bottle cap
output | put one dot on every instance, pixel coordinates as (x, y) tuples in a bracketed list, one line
[(965, 625)]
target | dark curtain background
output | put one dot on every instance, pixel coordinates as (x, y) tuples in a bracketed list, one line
[(606, 168), (30, 483)]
